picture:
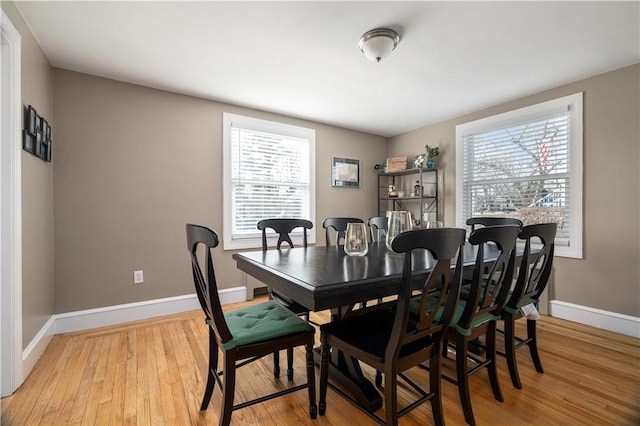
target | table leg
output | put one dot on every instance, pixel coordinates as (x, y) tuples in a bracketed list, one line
[(346, 372)]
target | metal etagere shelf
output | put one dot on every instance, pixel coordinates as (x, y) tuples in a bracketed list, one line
[(417, 191)]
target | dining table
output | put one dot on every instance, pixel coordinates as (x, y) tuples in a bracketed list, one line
[(325, 278)]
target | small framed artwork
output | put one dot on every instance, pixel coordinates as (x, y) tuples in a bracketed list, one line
[(49, 150), (345, 172), (31, 120), (28, 142), (47, 132), (44, 150), (39, 124), (38, 138)]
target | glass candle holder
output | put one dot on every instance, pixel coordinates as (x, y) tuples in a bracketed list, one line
[(398, 222), (355, 241)]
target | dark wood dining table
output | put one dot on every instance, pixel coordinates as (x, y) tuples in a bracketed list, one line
[(322, 278)]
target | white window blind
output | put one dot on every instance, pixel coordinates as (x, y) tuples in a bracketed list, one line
[(520, 165), (269, 169)]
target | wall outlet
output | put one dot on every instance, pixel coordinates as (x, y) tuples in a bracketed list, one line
[(138, 277)]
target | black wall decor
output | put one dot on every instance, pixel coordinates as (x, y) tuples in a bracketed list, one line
[(36, 136)]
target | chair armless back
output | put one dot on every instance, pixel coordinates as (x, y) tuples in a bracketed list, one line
[(283, 227), (339, 225), (489, 285), (431, 319), (492, 221), (535, 267), (205, 284), (378, 226)]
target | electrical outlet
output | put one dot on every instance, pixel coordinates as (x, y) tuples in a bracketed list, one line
[(138, 277)]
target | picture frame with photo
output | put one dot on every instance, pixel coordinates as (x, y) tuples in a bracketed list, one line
[(28, 142), (31, 118), (345, 172)]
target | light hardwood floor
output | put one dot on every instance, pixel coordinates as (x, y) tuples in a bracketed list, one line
[(152, 371)]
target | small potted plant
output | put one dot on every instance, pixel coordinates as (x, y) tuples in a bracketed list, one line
[(432, 152)]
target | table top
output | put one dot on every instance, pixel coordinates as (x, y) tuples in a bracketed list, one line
[(322, 277)]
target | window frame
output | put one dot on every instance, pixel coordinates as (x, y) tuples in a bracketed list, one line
[(573, 248), (254, 240)]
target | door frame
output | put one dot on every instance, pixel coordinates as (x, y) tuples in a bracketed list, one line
[(11, 365)]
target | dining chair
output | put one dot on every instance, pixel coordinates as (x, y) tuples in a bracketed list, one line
[(339, 225), (533, 276), (492, 221), (243, 335), (283, 227), (391, 338), (477, 313), (378, 227)]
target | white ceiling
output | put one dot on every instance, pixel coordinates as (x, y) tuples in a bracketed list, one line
[(301, 59)]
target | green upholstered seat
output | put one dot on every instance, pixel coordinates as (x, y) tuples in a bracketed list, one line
[(431, 301), (261, 322)]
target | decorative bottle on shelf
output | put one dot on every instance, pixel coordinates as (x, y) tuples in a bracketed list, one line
[(417, 189)]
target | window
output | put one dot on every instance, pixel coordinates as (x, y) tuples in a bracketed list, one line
[(269, 171), (525, 164)]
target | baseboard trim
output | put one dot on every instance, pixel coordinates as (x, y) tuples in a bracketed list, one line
[(32, 353), (612, 321), (110, 315)]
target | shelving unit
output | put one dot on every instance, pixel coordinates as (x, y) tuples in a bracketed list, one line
[(423, 206)]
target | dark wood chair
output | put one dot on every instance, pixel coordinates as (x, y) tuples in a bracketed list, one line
[(283, 227), (533, 277), (391, 338), (243, 335), (476, 315), (378, 227), (339, 225), (492, 221)]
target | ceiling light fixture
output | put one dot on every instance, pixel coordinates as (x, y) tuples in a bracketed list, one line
[(378, 43)]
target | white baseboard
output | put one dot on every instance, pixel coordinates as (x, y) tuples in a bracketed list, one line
[(110, 315), (32, 353), (612, 321)]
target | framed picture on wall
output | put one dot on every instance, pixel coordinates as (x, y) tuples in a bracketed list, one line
[(47, 132), (44, 150), (31, 119), (345, 172), (49, 150), (28, 142)]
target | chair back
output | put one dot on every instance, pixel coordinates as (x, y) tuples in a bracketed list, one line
[(431, 319), (200, 237), (490, 285), (378, 226), (283, 227), (492, 221), (339, 225), (535, 268)]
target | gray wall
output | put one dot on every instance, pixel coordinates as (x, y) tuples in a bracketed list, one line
[(134, 164), (608, 277), (37, 189)]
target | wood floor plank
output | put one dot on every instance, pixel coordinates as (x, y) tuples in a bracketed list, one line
[(154, 372)]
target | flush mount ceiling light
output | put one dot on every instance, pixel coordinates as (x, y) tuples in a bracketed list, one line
[(378, 43)]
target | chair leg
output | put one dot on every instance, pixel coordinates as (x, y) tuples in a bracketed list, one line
[(435, 388), (324, 377), (311, 380), (290, 363), (378, 379), (510, 349), (533, 345), (213, 367), (391, 396), (491, 356), (276, 364), (463, 378), (228, 390)]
